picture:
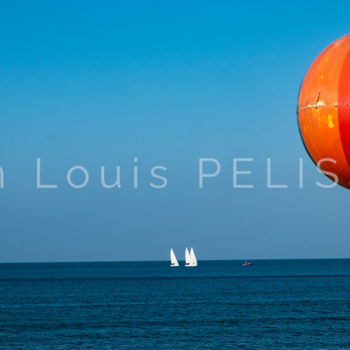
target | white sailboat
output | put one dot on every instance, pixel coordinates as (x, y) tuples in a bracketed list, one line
[(173, 259), (193, 258), (187, 258), (190, 258)]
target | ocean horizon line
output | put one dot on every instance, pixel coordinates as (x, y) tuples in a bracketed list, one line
[(162, 260)]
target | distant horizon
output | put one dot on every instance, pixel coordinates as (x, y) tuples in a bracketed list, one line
[(137, 261)]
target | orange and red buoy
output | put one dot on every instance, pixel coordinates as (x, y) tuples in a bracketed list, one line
[(324, 111)]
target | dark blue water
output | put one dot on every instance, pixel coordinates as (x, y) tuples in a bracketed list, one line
[(295, 304)]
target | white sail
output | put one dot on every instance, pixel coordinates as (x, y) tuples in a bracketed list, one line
[(173, 259), (193, 258), (187, 258)]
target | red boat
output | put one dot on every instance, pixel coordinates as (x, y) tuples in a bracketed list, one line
[(247, 263)]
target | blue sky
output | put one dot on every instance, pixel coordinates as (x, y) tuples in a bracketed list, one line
[(101, 83)]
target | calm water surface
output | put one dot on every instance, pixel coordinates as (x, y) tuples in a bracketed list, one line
[(294, 304)]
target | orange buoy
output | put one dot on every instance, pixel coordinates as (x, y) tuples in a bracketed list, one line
[(324, 111)]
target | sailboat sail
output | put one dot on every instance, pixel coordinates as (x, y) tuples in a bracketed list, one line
[(190, 258), (187, 258), (173, 259), (193, 258)]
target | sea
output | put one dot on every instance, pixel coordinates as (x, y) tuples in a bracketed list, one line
[(274, 304)]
